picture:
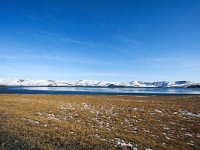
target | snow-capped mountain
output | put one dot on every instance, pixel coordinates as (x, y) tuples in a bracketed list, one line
[(22, 82)]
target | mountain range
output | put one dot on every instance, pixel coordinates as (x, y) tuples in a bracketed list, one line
[(93, 83)]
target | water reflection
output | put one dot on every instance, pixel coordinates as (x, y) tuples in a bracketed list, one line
[(102, 90)]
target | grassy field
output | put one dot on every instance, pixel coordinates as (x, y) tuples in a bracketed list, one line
[(99, 122)]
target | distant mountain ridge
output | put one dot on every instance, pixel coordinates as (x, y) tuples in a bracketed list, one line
[(93, 83)]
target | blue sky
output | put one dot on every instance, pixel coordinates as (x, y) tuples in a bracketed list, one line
[(114, 40)]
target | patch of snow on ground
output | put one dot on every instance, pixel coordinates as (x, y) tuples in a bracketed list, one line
[(198, 135), (52, 116), (190, 143), (30, 121), (147, 131), (158, 111), (188, 134), (33, 121), (86, 106), (49, 116), (148, 149), (69, 117), (122, 143), (186, 113)]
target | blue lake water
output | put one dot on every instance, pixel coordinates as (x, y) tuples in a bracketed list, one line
[(100, 90)]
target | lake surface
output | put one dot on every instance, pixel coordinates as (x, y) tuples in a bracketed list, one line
[(100, 90)]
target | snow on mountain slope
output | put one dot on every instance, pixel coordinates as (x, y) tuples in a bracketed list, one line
[(86, 82), (22, 82)]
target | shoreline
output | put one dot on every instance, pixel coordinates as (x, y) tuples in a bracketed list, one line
[(104, 95)]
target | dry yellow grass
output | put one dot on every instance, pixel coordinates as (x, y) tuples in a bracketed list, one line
[(99, 122)]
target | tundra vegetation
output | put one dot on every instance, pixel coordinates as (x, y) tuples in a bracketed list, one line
[(99, 122)]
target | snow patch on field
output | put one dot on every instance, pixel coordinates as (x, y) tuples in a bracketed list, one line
[(48, 115), (186, 113), (148, 149), (158, 111), (30, 121), (198, 135), (121, 143), (190, 143)]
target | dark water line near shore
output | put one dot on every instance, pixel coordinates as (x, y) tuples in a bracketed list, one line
[(101, 91), (98, 94)]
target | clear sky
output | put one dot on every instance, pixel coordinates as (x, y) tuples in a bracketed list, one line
[(113, 40)]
